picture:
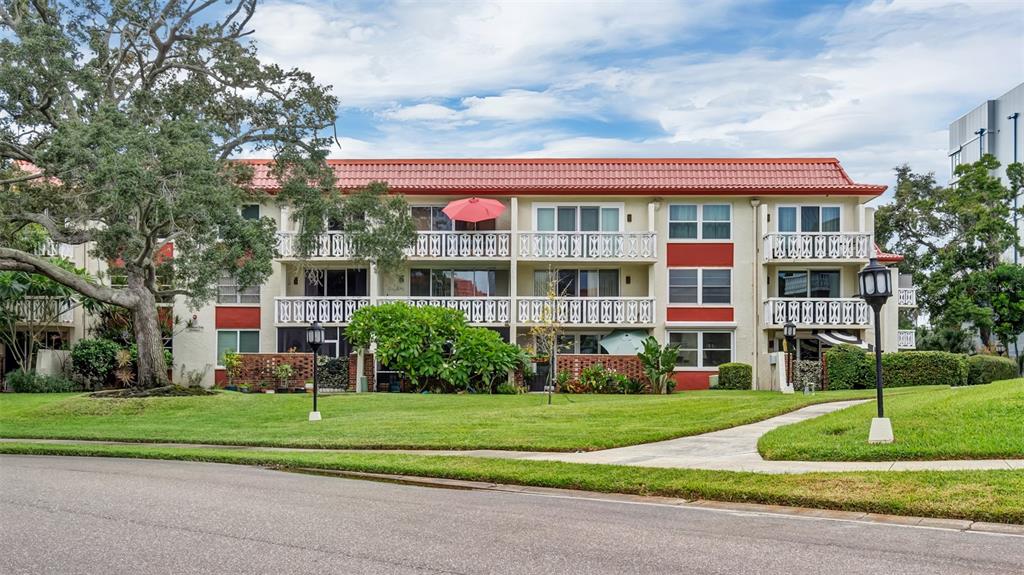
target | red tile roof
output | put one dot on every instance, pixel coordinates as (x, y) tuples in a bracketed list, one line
[(686, 176), (886, 257)]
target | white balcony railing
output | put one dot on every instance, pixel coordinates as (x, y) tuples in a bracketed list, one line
[(587, 310), (906, 339), (427, 245), (906, 297), (305, 310), (817, 311), (51, 249), (817, 246), (485, 310), (588, 245), (44, 310), (461, 245)]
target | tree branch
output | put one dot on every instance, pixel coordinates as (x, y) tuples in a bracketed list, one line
[(56, 232), (18, 260)]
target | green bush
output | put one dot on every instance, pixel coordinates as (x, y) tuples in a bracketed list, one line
[(506, 388), (333, 372), (21, 381), (848, 367), (735, 376), (910, 368), (93, 361), (989, 368)]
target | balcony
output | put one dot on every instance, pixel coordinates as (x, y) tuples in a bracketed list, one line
[(817, 312), (306, 310), (478, 310), (45, 310), (445, 245), (587, 311), (817, 247), (906, 297), (906, 339), (454, 245), (588, 245), (52, 249)]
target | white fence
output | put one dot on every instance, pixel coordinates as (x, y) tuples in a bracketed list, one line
[(43, 309), (587, 310), (484, 310), (817, 311), (461, 245), (588, 245), (906, 297), (817, 246), (306, 310), (906, 339)]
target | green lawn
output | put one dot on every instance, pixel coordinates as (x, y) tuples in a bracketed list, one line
[(979, 422), (523, 422), (976, 495)]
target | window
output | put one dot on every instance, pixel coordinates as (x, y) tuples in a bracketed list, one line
[(579, 283), (240, 341), (336, 283), (713, 223), (809, 219), (809, 283), (294, 339), (702, 349), (587, 343), (426, 282), (433, 219), (251, 212), (700, 286), (578, 218), (229, 292)]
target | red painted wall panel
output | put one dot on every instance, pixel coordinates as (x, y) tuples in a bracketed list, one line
[(690, 380), (695, 255), (699, 314), (238, 317), (220, 376)]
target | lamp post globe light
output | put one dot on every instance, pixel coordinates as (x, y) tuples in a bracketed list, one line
[(315, 338), (876, 287)]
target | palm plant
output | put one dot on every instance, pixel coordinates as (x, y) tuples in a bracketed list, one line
[(659, 363)]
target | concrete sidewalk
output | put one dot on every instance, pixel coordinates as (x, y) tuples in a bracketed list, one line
[(733, 449)]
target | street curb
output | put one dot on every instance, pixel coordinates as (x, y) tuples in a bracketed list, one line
[(965, 525)]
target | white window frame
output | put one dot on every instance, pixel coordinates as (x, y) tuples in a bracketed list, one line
[(259, 343), (431, 206), (621, 206), (700, 347), (700, 288), (808, 271), (820, 207), (700, 222), (238, 293)]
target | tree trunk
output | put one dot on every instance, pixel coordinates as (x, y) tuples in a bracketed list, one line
[(151, 365)]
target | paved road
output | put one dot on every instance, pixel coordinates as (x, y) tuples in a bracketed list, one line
[(109, 516)]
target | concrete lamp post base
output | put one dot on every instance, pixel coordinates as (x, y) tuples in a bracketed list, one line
[(881, 430), (315, 416)]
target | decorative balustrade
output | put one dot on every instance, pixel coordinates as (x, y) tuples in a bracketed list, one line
[(906, 339), (328, 245), (587, 310), (306, 310), (588, 245), (817, 311), (51, 249), (44, 310), (817, 246), (461, 245), (485, 310), (906, 297)]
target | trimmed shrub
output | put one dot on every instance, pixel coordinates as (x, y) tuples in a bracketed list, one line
[(848, 367), (989, 368), (93, 361), (909, 368), (21, 381), (735, 376)]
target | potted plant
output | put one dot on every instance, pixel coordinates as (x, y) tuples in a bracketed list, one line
[(243, 387), (233, 366), (283, 373)]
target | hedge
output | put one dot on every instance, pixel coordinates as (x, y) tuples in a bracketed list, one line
[(21, 381), (989, 368), (849, 367), (735, 376)]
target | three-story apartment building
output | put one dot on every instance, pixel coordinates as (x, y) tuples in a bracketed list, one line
[(714, 255)]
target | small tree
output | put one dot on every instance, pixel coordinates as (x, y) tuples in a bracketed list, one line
[(659, 364), (546, 330)]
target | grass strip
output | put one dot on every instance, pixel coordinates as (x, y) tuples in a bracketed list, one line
[(995, 496)]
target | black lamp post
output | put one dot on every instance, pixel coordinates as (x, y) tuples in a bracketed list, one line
[(315, 338), (789, 333), (876, 288)]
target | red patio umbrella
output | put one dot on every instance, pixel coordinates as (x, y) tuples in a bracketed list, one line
[(474, 209)]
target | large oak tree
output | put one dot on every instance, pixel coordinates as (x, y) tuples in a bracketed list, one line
[(117, 122)]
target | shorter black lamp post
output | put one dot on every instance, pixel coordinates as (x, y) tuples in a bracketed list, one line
[(876, 288), (315, 338), (789, 333)]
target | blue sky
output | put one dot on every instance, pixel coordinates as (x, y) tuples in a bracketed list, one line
[(873, 83)]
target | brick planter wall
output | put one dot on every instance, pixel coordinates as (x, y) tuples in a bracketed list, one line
[(371, 383), (628, 365), (258, 368)]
